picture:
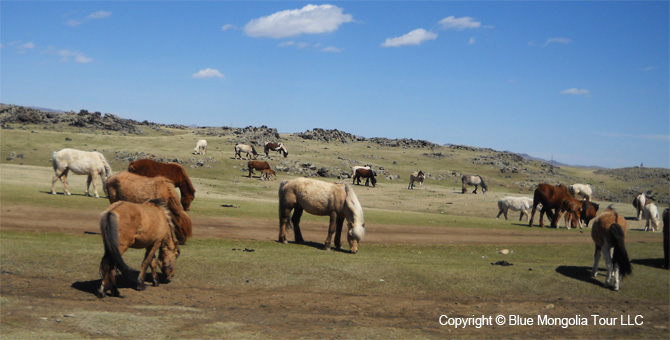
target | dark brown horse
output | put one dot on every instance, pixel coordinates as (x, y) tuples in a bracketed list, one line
[(257, 165), (552, 197), (171, 171), (368, 174), (279, 147), (589, 211)]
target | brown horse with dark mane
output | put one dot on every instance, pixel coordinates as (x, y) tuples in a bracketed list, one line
[(368, 174), (171, 171), (257, 165), (553, 197)]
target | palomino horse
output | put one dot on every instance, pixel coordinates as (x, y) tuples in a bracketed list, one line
[(609, 233), (639, 202), (243, 148), (127, 186), (475, 180), (553, 197), (279, 147), (257, 165), (336, 200), (200, 147), (92, 164), (583, 190), (172, 171), (418, 177), (140, 226), (369, 175), (522, 204)]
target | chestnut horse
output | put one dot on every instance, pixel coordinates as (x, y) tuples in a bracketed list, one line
[(279, 147), (475, 180), (127, 186), (172, 171), (320, 198), (553, 197), (609, 233), (589, 211), (140, 226), (257, 165), (368, 174)]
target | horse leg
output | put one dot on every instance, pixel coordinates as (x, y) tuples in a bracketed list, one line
[(94, 179), (500, 213), (475, 192), (331, 230), (556, 218), (107, 273), (154, 273), (532, 215), (295, 219), (596, 260), (57, 177), (284, 215), (148, 259), (338, 232), (607, 255), (542, 212)]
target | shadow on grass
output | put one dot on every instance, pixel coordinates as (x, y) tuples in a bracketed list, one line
[(92, 286), (654, 263), (580, 273), (319, 246), (63, 194)]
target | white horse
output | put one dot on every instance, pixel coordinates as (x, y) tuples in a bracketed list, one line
[(201, 147), (92, 164), (583, 190), (639, 202), (248, 149), (522, 204), (418, 177), (651, 215)]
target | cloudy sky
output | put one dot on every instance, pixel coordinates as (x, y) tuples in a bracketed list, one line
[(586, 83)]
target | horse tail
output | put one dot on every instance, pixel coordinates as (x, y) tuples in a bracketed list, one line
[(253, 150), (109, 229), (484, 187), (620, 255), (108, 169)]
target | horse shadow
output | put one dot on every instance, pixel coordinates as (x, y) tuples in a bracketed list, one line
[(580, 273), (654, 263), (63, 194), (319, 246)]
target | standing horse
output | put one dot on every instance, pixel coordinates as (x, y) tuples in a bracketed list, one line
[(609, 233), (279, 147), (336, 200), (200, 147), (475, 180), (522, 204), (127, 186), (552, 197), (583, 190), (92, 164), (172, 171), (369, 175), (651, 215), (140, 226), (588, 212), (639, 202), (418, 177), (248, 149), (257, 165)]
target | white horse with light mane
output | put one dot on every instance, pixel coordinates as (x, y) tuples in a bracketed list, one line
[(583, 190), (522, 204), (201, 147), (247, 149), (92, 164), (651, 215)]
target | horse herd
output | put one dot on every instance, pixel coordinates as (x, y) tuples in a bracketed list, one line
[(146, 212)]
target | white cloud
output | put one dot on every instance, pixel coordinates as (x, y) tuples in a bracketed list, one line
[(22, 47), (557, 40), (416, 37), (73, 23), (99, 15), (648, 68), (66, 54), (460, 24), (332, 49), (92, 16), (311, 19), (577, 92), (471, 41), (227, 27), (208, 73)]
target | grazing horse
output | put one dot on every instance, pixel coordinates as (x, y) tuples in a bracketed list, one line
[(248, 149), (336, 200), (666, 238), (369, 175), (267, 174), (127, 186), (651, 215), (588, 212), (172, 171), (522, 204), (609, 233), (572, 208), (140, 226), (257, 165), (92, 164), (200, 147), (475, 180), (552, 197), (279, 147), (639, 202), (583, 190), (418, 177)]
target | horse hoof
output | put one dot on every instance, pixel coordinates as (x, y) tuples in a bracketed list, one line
[(100, 294), (141, 287), (326, 248)]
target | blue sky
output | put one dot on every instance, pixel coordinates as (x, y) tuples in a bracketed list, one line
[(583, 82)]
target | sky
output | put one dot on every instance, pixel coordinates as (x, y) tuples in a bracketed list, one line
[(579, 82)]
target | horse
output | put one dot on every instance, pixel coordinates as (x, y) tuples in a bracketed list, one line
[(418, 177), (172, 171), (475, 180), (588, 212), (200, 147), (279, 147), (320, 198), (572, 208), (639, 202), (267, 174), (608, 234), (248, 149), (552, 197), (666, 238), (127, 186), (583, 190), (257, 165), (140, 226), (369, 175), (522, 204), (651, 215), (90, 163)]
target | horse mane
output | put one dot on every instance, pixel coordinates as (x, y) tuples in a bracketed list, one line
[(182, 222), (357, 211), (187, 180)]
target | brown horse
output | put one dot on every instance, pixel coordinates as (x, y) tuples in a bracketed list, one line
[(127, 186), (588, 212), (172, 171), (416, 177), (279, 147), (267, 174), (140, 226), (257, 165), (552, 197), (609, 233), (368, 174)]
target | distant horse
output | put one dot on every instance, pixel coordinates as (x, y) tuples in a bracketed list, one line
[(552, 197), (248, 149), (172, 171), (200, 147), (140, 226), (336, 200), (666, 238), (418, 177), (92, 164), (522, 204), (609, 233), (257, 165), (267, 174), (651, 215), (475, 180), (127, 186), (369, 175), (639, 202), (583, 190), (279, 147)]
